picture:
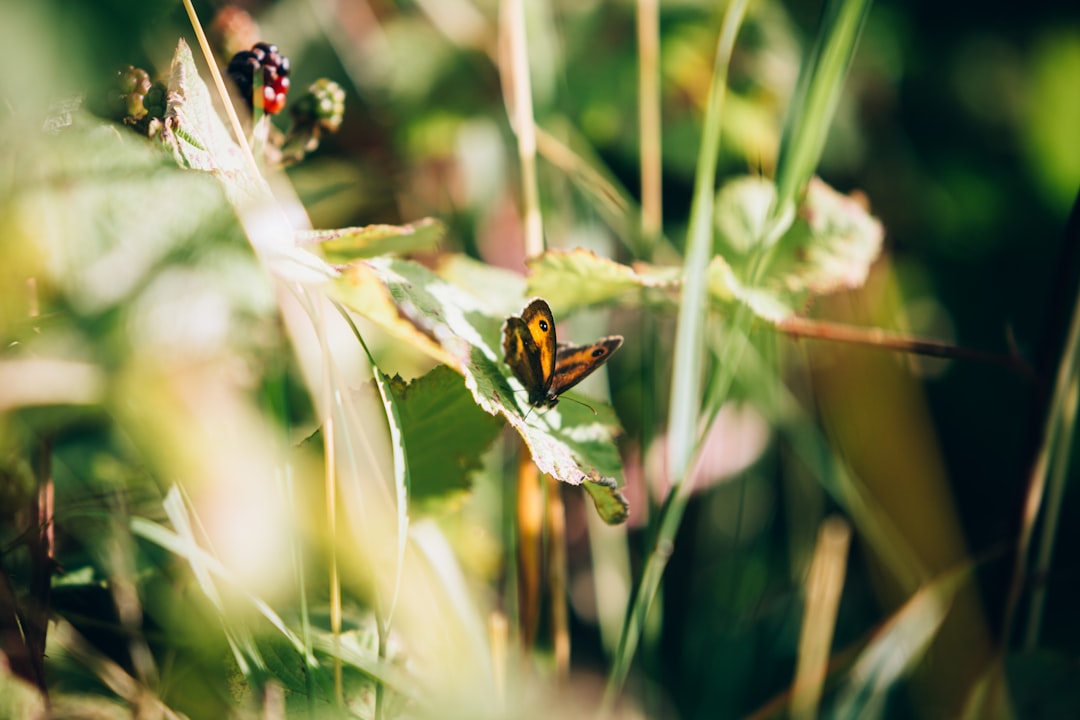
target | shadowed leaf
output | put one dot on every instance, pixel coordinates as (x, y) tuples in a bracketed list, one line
[(445, 433)]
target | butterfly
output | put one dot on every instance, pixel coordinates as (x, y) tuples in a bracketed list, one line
[(548, 369)]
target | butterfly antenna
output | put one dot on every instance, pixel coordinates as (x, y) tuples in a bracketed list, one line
[(579, 403)]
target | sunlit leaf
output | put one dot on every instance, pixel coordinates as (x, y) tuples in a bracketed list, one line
[(831, 245), (581, 278), (193, 131), (402, 482), (439, 318), (502, 290), (347, 244)]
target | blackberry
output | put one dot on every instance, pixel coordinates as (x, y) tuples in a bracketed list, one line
[(275, 76)]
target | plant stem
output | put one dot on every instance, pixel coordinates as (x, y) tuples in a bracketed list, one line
[(689, 359)]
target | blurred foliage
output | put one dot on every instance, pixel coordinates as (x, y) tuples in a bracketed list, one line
[(170, 341)]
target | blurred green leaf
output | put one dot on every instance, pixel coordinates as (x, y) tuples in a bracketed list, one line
[(206, 565), (1054, 114), (18, 698), (581, 278), (348, 244), (611, 505), (502, 290), (829, 247), (810, 115), (726, 286)]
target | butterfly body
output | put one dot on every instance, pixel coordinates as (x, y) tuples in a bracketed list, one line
[(546, 368)]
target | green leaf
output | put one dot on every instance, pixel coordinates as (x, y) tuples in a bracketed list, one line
[(830, 246), (348, 244), (725, 286), (502, 290), (193, 131), (405, 298), (402, 483), (610, 503), (445, 433), (581, 278), (813, 106)]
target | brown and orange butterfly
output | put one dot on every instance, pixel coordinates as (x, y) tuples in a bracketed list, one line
[(548, 369)]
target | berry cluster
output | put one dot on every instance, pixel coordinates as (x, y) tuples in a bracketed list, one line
[(322, 106), (133, 100), (275, 76), (129, 88)]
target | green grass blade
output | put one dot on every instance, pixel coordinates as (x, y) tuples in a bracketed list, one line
[(690, 330), (401, 490), (689, 357), (1050, 468), (817, 94)]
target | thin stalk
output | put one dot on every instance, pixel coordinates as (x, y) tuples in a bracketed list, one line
[(1068, 369), (649, 120), (1055, 496), (521, 115), (1058, 422), (823, 588), (530, 519), (219, 84), (689, 359), (886, 340), (555, 518), (806, 126), (330, 481)]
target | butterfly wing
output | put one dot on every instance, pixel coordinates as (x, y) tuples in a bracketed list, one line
[(529, 349), (574, 363)]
